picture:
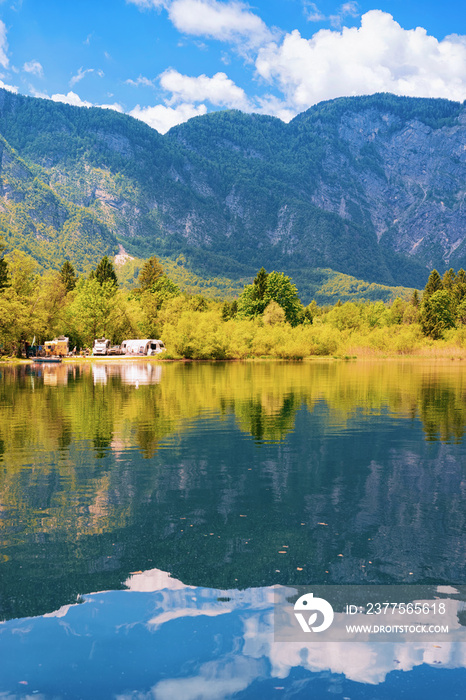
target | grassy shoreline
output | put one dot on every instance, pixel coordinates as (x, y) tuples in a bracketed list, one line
[(447, 354)]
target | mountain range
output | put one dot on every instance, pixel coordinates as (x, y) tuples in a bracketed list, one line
[(373, 187)]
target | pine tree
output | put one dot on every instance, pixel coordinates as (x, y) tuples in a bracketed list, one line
[(260, 284), (68, 276), (460, 286), (437, 314), (226, 311), (105, 272), (449, 279), (3, 268), (415, 299), (150, 273), (434, 284)]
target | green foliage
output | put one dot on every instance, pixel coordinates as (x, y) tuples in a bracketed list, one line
[(48, 313), (105, 273), (397, 311), (260, 284), (309, 312), (229, 309), (248, 304), (68, 276), (198, 328), (433, 112), (327, 286), (284, 292), (459, 288), (273, 314), (149, 274), (14, 321), (437, 314), (197, 335), (3, 267), (434, 284), (449, 280), (89, 315), (443, 303), (22, 269), (461, 312), (274, 286), (197, 302), (82, 180), (345, 316)]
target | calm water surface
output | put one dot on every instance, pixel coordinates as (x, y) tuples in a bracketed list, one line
[(149, 511)]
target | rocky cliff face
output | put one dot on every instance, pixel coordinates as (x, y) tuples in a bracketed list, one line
[(371, 186), (415, 189)]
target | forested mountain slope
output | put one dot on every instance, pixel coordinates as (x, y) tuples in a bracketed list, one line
[(369, 186)]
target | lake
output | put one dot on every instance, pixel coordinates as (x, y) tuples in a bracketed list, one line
[(150, 514)]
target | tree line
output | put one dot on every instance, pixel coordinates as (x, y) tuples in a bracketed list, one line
[(267, 318)]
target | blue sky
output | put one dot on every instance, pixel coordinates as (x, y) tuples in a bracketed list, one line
[(164, 61)]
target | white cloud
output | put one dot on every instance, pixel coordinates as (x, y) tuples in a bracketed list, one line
[(82, 73), (186, 92), (35, 68), (3, 46), (71, 98), (312, 12), (380, 56), (162, 118), (10, 88), (145, 82), (225, 21), (148, 4), (38, 93), (230, 20), (115, 106), (219, 90), (348, 9), (275, 107)]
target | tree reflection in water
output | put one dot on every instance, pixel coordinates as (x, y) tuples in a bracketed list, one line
[(209, 471)]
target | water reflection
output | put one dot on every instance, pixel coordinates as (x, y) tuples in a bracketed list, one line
[(271, 473), (264, 398), (130, 373), (163, 639)]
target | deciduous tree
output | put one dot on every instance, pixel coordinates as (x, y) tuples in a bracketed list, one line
[(267, 287), (90, 313)]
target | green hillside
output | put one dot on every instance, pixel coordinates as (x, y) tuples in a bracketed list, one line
[(367, 187), (325, 286)]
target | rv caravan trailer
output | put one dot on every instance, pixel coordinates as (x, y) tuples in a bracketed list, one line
[(57, 347), (142, 347), (101, 346)]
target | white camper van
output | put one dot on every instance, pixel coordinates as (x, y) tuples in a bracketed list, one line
[(101, 346), (142, 347)]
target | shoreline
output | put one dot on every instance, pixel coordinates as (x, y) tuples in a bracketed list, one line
[(450, 356)]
